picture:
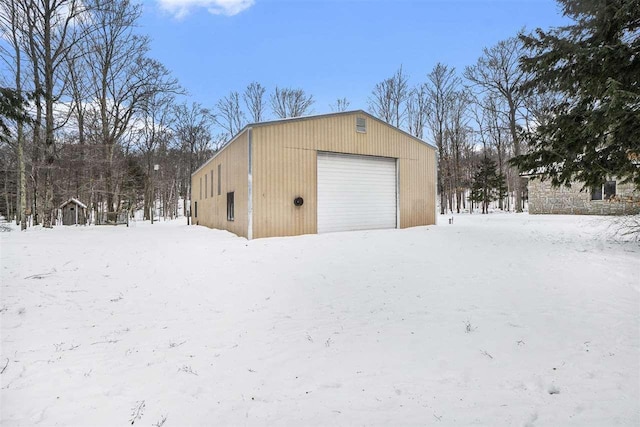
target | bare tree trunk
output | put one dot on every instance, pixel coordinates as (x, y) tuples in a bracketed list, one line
[(146, 209), (500, 152), (458, 178), (49, 151), (92, 200), (48, 116), (516, 152), (14, 23), (37, 123), (22, 185), (7, 199), (109, 176)]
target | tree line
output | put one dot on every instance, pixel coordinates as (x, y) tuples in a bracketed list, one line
[(561, 104), (86, 112), (473, 118), (101, 120)]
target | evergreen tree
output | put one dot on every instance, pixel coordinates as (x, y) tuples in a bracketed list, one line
[(488, 184), (12, 109), (592, 67)]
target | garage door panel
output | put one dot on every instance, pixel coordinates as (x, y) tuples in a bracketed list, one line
[(355, 192)]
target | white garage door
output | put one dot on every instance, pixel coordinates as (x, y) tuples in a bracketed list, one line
[(355, 192)]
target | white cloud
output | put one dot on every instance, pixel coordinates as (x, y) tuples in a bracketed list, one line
[(181, 8)]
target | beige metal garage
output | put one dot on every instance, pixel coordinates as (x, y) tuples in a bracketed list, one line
[(333, 172)]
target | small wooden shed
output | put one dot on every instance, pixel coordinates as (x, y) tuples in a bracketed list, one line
[(74, 212)]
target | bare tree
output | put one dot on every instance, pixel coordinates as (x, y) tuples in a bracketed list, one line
[(101, 114), (458, 133), (44, 31), (33, 53), (80, 95), (11, 21), (389, 97), (253, 97), (341, 104), (381, 101), (192, 128), (229, 114), (497, 72), (399, 96), (441, 85), (152, 128), (287, 102), (122, 78), (417, 111), (54, 33), (497, 129)]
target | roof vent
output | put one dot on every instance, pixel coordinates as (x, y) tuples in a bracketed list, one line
[(361, 124)]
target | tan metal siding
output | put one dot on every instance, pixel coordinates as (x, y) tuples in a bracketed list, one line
[(284, 167), (212, 210), (281, 172)]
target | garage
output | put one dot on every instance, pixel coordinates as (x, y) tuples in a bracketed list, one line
[(356, 192), (305, 175)]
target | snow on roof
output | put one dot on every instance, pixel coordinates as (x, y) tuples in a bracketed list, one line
[(73, 200)]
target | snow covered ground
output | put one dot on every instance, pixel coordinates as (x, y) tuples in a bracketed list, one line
[(496, 320)]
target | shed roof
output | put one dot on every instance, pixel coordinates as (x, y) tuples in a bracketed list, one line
[(312, 117), (74, 201)]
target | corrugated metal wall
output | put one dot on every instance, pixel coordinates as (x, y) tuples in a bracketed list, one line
[(284, 167), (212, 207)]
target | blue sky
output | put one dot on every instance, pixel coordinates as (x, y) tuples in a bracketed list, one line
[(330, 49)]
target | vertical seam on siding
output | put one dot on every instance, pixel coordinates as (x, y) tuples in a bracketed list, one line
[(250, 186), (435, 193), (397, 193)]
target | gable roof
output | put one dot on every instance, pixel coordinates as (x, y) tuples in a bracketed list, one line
[(311, 117), (345, 113), (74, 201)]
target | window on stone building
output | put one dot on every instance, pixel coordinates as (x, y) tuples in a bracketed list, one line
[(609, 190), (604, 192)]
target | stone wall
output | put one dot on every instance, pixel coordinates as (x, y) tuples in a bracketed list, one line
[(545, 199)]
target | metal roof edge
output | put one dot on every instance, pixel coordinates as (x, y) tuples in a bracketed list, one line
[(340, 113), (231, 141), (428, 144), (302, 118), (312, 117)]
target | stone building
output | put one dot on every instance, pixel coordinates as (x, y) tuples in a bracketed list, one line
[(613, 198)]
